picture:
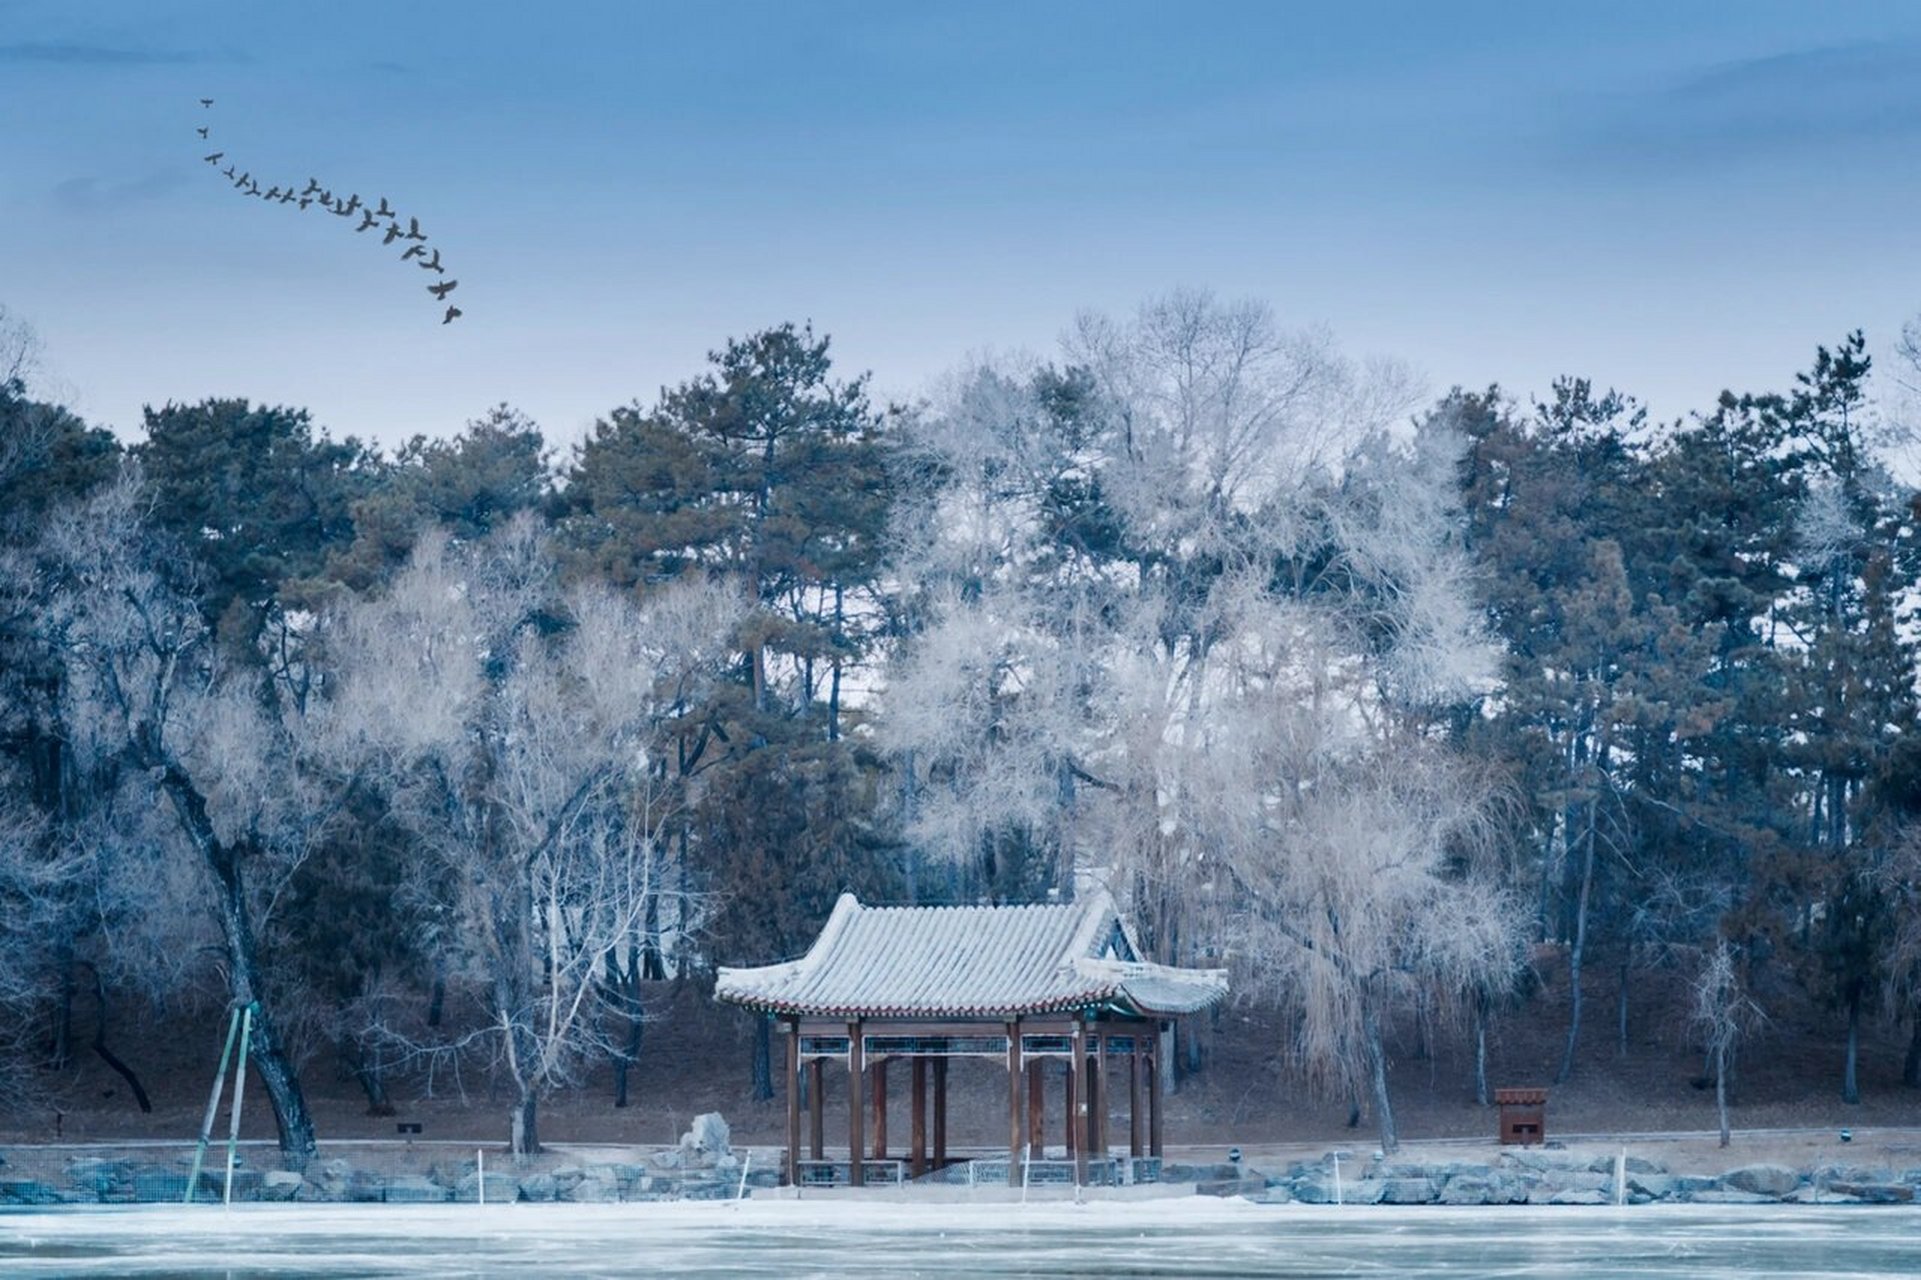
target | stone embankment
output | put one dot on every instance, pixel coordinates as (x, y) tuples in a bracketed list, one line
[(1534, 1176)]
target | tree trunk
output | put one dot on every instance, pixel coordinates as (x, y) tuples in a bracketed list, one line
[(1850, 1087), (763, 1059), (105, 1054), (368, 1074), (292, 1120), (627, 1056), (1377, 1063), (1621, 1010), (437, 1000), (1574, 955), (1911, 1064), (524, 1138), (1480, 1048), (1721, 1089)]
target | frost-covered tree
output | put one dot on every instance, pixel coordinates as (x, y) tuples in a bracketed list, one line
[(531, 768)]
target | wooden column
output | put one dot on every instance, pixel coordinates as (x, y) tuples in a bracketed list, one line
[(917, 1139), (1016, 1114), (856, 1107), (1097, 1099), (1036, 1111), (880, 1108), (1134, 1097), (1077, 1119), (792, 1172), (816, 1109), (1154, 1095), (1071, 1118), (940, 1113)]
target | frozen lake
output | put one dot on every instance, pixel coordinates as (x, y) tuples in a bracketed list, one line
[(1199, 1237)]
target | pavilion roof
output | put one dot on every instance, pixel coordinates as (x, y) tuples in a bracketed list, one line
[(972, 962)]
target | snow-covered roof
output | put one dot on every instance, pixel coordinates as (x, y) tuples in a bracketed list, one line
[(972, 962)]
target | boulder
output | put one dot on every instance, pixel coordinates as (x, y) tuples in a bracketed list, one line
[(98, 1179), (596, 1185), (1654, 1186), (1875, 1192), (1407, 1191), (500, 1188), (1770, 1180), (1579, 1195), (706, 1140), (1724, 1196), (538, 1187), (280, 1184), (1467, 1190), (157, 1184), (28, 1191), (414, 1188)]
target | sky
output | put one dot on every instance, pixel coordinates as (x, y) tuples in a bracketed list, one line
[(1669, 198)]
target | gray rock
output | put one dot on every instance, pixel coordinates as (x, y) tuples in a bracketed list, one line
[(157, 1184), (1578, 1195), (279, 1184), (1578, 1180), (1312, 1190), (1407, 1190), (597, 1185), (1695, 1183), (566, 1176), (100, 1178), (1468, 1190), (1655, 1186), (538, 1187), (706, 1140), (413, 1188), (1724, 1196), (501, 1188), (28, 1191), (1771, 1180), (1875, 1192), (669, 1159)]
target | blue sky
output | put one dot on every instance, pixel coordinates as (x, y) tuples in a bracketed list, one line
[(1667, 197)]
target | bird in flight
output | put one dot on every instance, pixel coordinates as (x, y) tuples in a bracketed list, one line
[(432, 264), (313, 185), (414, 252), (286, 197), (368, 220), (227, 172), (305, 201), (440, 291), (413, 229), (393, 233), (273, 193), (383, 211), (206, 102), (202, 131), (214, 158), (452, 311)]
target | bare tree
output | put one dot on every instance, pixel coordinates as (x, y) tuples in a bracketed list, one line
[(1724, 1014), (531, 769)]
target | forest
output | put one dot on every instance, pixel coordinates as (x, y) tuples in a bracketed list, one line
[(1376, 698)]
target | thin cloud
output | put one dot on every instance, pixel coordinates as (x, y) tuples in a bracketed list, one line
[(1827, 98), (91, 196), (93, 55)]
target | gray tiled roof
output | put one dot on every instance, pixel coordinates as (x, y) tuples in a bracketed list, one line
[(971, 962)]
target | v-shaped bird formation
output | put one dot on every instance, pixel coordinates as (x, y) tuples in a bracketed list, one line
[(313, 194)]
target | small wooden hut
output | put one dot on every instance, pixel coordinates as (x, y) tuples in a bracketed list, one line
[(1022, 985)]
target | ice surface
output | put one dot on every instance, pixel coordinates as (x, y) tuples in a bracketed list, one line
[(825, 1237)]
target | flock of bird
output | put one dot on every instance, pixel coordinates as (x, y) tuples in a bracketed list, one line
[(314, 194)]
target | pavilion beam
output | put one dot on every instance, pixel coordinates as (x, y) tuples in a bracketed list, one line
[(880, 1108), (1077, 1120), (792, 1171), (917, 1139), (1016, 1113), (1070, 1117), (816, 1109), (856, 1107), (940, 1113)]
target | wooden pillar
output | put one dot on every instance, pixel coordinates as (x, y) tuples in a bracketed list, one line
[(816, 1109), (917, 1139), (1134, 1097), (1077, 1118), (1097, 1099), (1036, 1111), (792, 1172), (1070, 1119), (940, 1113), (880, 1108), (856, 1107), (1154, 1095), (1016, 1114)]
